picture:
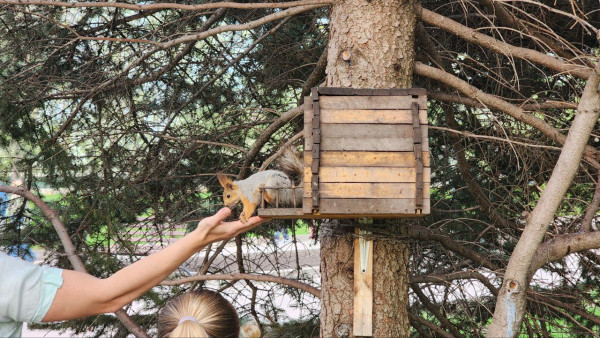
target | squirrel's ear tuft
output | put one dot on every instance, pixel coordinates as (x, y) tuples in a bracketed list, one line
[(225, 181)]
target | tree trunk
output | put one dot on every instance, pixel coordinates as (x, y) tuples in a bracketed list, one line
[(511, 302), (371, 45)]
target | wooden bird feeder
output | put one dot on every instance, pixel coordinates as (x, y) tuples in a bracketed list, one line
[(366, 154)]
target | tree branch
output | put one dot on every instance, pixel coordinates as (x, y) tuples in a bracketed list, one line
[(497, 103), (278, 153), (435, 311), (493, 138), (447, 278), (74, 259), (546, 299), (247, 276), (561, 246), (265, 136), (590, 213), (510, 306), (165, 6), (485, 41), (414, 319), (423, 233), (453, 98), (507, 18), (239, 27)]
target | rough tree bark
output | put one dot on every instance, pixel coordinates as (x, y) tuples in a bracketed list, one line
[(371, 45), (511, 302)]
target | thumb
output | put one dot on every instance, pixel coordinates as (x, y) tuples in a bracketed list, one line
[(217, 218)]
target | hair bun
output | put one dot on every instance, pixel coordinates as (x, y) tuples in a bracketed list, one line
[(250, 330)]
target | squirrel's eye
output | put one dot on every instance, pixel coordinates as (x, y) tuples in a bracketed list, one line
[(228, 195)]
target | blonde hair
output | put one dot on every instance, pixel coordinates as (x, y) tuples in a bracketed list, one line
[(202, 314)]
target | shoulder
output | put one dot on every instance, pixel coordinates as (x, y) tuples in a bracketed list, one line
[(33, 289)]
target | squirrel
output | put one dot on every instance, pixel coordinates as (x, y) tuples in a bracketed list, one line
[(248, 190)]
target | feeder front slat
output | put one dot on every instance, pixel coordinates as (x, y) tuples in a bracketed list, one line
[(369, 174), (375, 207), (355, 116), (366, 144), (371, 159), (369, 102), (370, 190)]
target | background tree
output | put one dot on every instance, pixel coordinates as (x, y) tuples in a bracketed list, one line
[(128, 111)]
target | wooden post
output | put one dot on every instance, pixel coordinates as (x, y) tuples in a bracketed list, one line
[(363, 285)]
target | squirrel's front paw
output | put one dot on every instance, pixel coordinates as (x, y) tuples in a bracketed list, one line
[(243, 217)]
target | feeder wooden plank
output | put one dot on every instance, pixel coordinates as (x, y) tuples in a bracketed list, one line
[(370, 190), (307, 205), (307, 181), (278, 212), (367, 144), (364, 207), (371, 174), (308, 109), (308, 137), (366, 130), (389, 116), (371, 91), (372, 102), (370, 159)]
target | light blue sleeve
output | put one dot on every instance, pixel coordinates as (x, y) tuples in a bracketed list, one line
[(26, 291)]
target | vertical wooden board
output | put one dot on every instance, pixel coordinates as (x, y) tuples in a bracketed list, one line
[(307, 159), (307, 133), (308, 117), (363, 290), (426, 210), (426, 174), (307, 205), (308, 111), (306, 182), (371, 102)]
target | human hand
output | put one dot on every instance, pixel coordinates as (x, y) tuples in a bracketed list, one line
[(213, 228)]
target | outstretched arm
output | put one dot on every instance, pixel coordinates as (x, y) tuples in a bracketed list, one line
[(84, 295)]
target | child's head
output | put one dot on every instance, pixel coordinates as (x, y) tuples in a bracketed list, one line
[(201, 314)]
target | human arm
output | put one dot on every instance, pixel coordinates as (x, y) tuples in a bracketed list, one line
[(84, 295)]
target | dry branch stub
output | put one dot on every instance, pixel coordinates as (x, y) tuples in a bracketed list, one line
[(366, 154)]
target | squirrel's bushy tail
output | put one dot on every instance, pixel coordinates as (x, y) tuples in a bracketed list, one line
[(291, 163)]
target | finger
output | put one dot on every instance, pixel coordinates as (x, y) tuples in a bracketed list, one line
[(258, 219), (252, 223), (217, 218)]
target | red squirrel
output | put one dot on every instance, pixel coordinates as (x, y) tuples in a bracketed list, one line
[(248, 190)]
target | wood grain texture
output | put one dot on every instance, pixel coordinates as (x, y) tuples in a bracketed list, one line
[(370, 190), (371, 102), (370, 159), (366, 207), (363, 290), (387, 116), (363, 130), (392, 144), (371, 174)]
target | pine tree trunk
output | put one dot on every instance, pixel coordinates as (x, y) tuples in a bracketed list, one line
[(371, 45)]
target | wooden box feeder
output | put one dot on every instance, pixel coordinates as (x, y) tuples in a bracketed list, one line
[(366, 154)]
